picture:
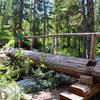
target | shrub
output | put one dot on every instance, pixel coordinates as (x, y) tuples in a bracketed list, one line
[(9, 44)]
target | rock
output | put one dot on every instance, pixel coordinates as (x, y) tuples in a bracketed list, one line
[(28, 85)]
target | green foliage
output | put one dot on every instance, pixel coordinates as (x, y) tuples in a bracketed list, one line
[(43, 58), (11, 43), (5, 37), (15, 67), (98, 49), (9, 90), (19, 67)]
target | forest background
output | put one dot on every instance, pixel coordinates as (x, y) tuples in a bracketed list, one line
[(43, 17)]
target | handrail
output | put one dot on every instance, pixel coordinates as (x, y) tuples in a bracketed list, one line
[(65, 35), (61, 35), (91, 35)]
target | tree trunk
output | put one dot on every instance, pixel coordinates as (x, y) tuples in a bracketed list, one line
[(21, 13), (69, 65), (84, 47), (68, 42), (90, 23), (31, 16), (79, 46), (57, 31), (84, 29), (44, 26), (34, 27), (0, 7)]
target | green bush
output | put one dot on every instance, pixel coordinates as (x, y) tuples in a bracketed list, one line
[(11, 43), (5, 37)]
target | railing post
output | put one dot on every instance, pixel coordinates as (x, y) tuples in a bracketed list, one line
[(93, 47), (52, 45), (31, 47)]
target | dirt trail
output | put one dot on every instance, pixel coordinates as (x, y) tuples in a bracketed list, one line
[(54, 94), (49, 95)]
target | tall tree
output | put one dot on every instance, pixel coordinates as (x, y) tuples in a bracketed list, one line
[(84, 28), (90, 23), (44, 24), (21, 3)]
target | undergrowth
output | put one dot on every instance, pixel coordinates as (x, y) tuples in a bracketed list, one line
[(17, 68)]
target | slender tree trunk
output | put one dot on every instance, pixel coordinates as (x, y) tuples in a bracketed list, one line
[(34, 24), (90, 23), (84, 47), (79, 46), (0, 7), (38, 23), (21, 13), (34, 28), (31, 15), (68, 38), (47, 25), (84, 29), (57, 31), (1, 15), (44, 26)]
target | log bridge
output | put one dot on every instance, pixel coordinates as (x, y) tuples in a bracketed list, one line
[(89, 75)]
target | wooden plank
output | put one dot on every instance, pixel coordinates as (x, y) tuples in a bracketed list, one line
[(69, 96), (79, 89), (97, 34), (87, 80), (80, 92)]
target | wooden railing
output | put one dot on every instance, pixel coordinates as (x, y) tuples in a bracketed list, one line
[(92, 35)]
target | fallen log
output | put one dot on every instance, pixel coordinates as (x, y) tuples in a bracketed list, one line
[(69, 65)]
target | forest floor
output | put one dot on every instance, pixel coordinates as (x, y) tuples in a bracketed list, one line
[(54, 94), (49, 95)]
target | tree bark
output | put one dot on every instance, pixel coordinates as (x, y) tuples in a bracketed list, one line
[(84, 47), (31, 16), (57, 31), (44, 26), (79, 47), (21, 13), (52, 45), (90, 23), (69, 65), (0, 7), (84, 29), (34, 27)]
